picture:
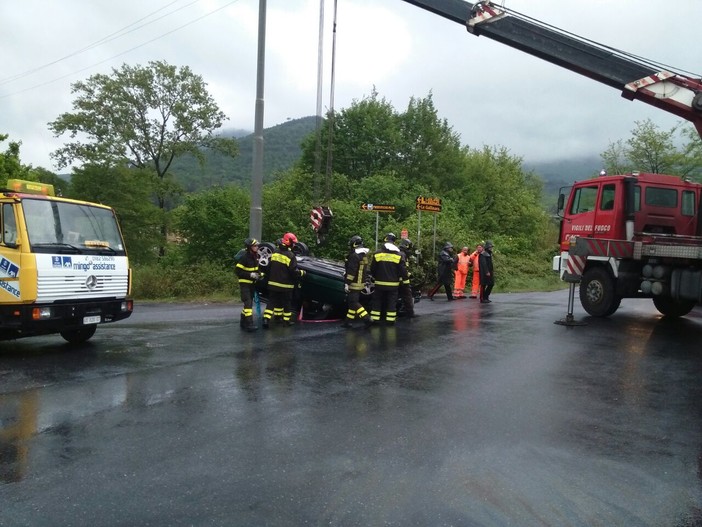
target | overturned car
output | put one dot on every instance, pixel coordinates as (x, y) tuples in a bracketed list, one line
[(319, 295)]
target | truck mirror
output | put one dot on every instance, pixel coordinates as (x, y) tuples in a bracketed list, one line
[(561, 202)]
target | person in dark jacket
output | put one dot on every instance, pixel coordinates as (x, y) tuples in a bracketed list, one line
[(247, 271), (388, 271), (445, 272), (283, 274), (355, 276), (487, 274)]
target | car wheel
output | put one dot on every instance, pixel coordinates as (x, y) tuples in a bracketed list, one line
[(300, 249), (265, 251), (80, 335)]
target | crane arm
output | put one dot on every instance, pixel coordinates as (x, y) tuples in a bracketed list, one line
[(636, 78)]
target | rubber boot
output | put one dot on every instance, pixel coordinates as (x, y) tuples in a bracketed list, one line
[(242, 321)]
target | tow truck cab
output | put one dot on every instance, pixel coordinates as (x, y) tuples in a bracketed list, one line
[(63, 264)]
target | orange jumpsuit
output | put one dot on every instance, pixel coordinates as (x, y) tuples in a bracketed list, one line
[(475, 285), (461, 275)]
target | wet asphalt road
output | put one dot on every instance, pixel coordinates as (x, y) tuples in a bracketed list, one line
[(469, 415)]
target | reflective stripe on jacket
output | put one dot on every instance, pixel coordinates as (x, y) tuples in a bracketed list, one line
[(283, 271), (356, 269), (244, 267), (388, 267)]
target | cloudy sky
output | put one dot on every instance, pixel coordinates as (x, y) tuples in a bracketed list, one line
[(490, 94)]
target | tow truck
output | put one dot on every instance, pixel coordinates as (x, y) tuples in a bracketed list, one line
[(621, 236), (63, 264)]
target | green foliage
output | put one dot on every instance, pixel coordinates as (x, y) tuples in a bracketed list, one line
[(213, 224), (204, 280), (10, 166), (282, 149), (650, 149), (142, 117)]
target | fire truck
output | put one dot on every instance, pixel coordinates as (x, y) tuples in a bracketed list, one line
[(63, 264), (621, 236)]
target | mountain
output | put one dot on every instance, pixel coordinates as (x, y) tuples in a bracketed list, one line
[(564, 172), (281, 149)]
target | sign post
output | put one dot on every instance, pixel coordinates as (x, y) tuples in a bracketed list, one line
[(377, 208), (423, 203)]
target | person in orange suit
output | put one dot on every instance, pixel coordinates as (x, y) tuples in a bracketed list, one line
[(474, 260), (462, 264)]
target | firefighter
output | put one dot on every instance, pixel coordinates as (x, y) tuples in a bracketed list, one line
[(247, 271), (406, 294), (388, 270), (444, 272), (462, 265), (487, 275), (355, 276), (283, 274), (475, 264)]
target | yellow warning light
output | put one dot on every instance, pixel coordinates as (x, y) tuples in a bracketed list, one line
[(30, 187)]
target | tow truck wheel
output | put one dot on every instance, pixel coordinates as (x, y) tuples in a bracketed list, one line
[(597, 294), (80, 335), (672, 308)]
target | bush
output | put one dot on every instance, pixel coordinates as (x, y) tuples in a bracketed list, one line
[(205, 280)]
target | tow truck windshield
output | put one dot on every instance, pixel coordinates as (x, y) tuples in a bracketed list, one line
[(57, 226)]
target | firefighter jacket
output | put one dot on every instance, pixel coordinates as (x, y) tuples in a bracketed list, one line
[(283, 272), (246, 265), (388, 267), (356, 273)]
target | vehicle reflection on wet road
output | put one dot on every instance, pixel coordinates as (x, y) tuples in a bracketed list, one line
[(468, 415)]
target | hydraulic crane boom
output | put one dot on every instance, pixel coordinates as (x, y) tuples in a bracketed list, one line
[(637, 78)]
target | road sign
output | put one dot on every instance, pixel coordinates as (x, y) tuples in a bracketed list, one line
[(375, 207), (428, 204)]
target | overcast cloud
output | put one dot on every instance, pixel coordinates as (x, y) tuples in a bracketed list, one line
[(490, 94)]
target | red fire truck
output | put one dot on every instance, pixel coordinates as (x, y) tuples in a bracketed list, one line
[(624, 236)]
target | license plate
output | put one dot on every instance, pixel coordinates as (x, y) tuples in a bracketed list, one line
[(91, 320)]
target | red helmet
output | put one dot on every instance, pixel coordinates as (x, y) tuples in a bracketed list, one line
[(289, 239)]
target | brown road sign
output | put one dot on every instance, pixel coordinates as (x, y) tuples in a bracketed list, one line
[(375, 207), (428, 204)]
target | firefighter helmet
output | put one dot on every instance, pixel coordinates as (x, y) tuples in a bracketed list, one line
[(406, 244), (488, 244), (355, 241), (250, 242), (447, 246), (390, 237), (289, 239)]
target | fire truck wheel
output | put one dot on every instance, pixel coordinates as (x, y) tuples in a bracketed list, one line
[(80, 335), (672, 308), (597, 294)]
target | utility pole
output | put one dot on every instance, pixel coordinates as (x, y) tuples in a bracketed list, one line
[(256, 216)]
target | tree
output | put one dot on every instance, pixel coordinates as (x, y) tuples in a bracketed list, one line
[(142, 117), (128, 192), (10, 166), (214, 224)]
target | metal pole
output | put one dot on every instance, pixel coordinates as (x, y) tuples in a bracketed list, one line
[(419, 233), (435, 233), (377, 219), (256, 215)]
